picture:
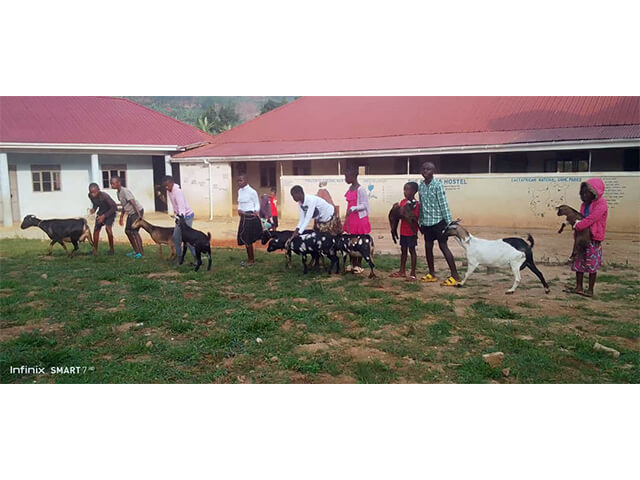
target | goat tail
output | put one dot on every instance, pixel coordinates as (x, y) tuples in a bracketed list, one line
[(530, 240)]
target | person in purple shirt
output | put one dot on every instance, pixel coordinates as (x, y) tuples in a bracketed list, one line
[(180, 207)]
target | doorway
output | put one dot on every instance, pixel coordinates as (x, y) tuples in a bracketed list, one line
[(159, 193), (13, 190)]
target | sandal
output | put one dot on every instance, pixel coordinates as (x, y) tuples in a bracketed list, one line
[(411, 278), (450, 282), (429, 278), (397, 275), (358, 270)]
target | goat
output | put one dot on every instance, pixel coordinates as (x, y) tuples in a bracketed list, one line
[(72, 230), (356, 246), (160, 235), (197, 239), (405, 213), (512, 252), (315, 244), (582, 238)]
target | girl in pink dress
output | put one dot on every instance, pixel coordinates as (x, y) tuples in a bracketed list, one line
[(357, 217)]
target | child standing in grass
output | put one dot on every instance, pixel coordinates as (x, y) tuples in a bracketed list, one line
[(273, 198), (595, 210), (408, 234)]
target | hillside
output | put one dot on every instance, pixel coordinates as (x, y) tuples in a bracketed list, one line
[(188, 109)]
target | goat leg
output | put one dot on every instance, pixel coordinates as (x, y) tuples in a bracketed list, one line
[(470, 269), (184, 252), (53, 242)]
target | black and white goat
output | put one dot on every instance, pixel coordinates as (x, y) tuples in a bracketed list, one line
[(72, 230), (197, 239), (315, 244), (355, 246), (512, 252)]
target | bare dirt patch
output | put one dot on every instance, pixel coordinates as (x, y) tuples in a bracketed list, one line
[(43, 326)]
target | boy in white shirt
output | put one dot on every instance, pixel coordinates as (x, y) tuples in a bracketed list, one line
[(313, 207)]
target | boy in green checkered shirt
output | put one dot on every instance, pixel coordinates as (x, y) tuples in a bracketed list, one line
[(434, 217)]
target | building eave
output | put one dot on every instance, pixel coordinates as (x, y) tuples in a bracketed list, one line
[(498, 148), (86, 147)]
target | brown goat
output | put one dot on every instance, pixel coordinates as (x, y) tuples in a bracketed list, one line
[(405, 213), (160, 235), (581, 238)]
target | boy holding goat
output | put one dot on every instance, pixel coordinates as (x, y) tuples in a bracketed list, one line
[(434, 217)]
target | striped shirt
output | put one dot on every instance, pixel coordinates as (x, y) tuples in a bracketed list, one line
[(433, 203)]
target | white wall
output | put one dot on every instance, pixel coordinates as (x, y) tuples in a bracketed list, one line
[(195, 185), (526, 200), (75, 174)]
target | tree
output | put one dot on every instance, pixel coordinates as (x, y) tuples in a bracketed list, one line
[(217, 119), (270, 104)]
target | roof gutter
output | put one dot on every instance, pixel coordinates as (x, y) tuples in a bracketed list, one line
[(498, 148), (88, 146)]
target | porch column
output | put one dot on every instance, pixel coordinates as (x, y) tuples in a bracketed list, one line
[(490, 158), (589, 160), (5, 190), (167, 165), (408, 166), (95, 168)]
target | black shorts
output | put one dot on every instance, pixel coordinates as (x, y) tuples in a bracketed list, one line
[(130, 219), (409, 241), (108, 222), (274, 223), (435, 232)]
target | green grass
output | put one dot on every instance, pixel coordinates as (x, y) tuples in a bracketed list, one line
[(144, 321)]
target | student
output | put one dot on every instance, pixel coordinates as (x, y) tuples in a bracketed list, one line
[(312, 207), (595, 210), (358, 210), (134, 210), (273, 199), (434, 217), (180, 207), (408, 236), (105, 209), (250, 226)]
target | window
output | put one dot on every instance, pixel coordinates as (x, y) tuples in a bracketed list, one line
[(45, 178), (109, 171), (302, 167), (267, 174), (566, 166)]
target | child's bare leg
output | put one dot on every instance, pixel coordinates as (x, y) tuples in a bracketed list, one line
[(132, 240), (96, 239), (448, 256), (579, 281), (110, 237), (403, 260), (592, 282), (428, 249), (414, 260), (250, 254)]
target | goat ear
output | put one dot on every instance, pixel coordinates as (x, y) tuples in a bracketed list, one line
[(458, 220)]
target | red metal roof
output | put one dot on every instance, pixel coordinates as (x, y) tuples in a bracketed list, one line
[(343, 124), (91, 120)]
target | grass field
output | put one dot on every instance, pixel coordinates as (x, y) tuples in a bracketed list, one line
[(143, 321)]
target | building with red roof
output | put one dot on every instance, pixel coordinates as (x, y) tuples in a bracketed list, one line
[(320, 136), (51, 148)]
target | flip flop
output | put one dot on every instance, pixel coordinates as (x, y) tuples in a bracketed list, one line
[(450, 282), (428, 278), (397, 275)]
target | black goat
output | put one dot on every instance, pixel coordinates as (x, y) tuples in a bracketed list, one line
[(198, 240), (72, 230), (356, 246)]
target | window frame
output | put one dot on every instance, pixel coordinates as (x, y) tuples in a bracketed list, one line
[(120, 171), (268, 173), (55, 178)]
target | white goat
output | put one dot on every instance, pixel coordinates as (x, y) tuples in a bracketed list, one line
[(506, 252)]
